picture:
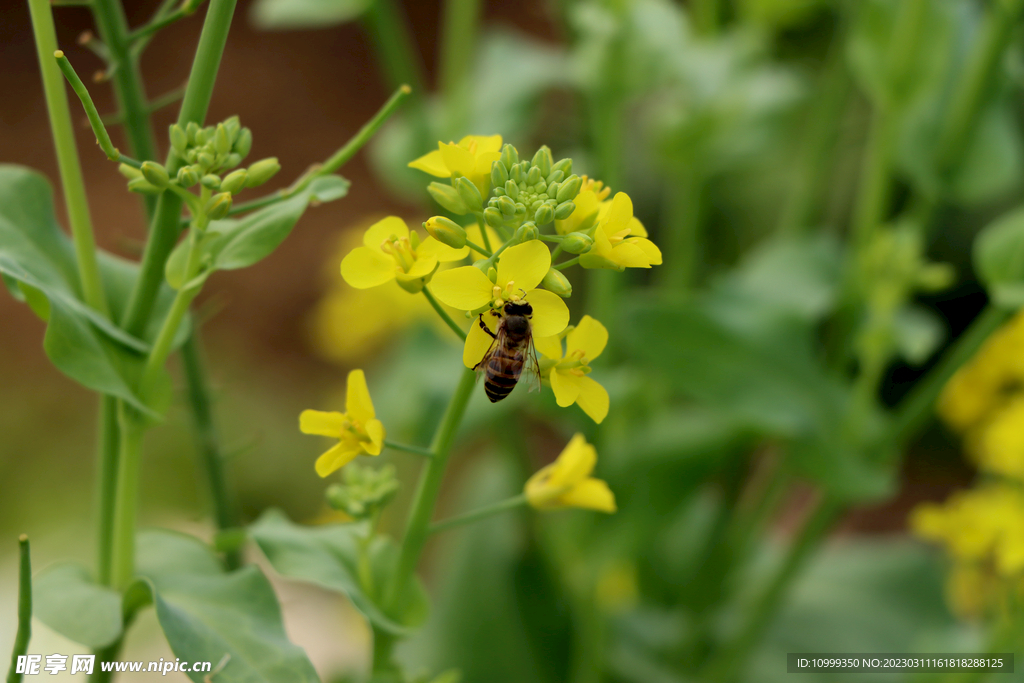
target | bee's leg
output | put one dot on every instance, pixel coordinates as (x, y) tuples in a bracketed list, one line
[(483, 326)]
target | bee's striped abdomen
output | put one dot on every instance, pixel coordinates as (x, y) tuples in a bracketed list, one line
[(502, 372)]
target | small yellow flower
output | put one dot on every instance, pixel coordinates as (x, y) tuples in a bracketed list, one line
[(589, 201), (391, 252), (519, 271), (357, 429), (620, 240), (567, 370), (471, 157), (999, 446), (567, 482)]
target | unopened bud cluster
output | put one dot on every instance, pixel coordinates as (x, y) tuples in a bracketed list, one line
[(365, 491), (534, 192)]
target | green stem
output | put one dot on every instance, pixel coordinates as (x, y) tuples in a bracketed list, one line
[(165, 339), (418, 527), (476, 247), (67, 156), (102, 137), (383, 644), (160, 22), (444, 314), (406, 448), (127, 496), (874, 191), (461, 19), (481, 513), (207, 442), (165, 8), (482, 224), (681, 240), (566, 264), (915, 410), (24, 609), (106, 486)]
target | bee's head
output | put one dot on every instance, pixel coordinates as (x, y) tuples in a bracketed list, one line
[(518, 308)]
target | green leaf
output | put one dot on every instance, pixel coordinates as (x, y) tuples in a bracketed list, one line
[(993, 161), (999, 258), (294, 14), (328, 556), (208, 615), (67, 600), (918, 333)]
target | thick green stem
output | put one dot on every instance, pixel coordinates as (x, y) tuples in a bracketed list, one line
[(418, 528), (127, 495), (24, 633), (481, 513), (406, 448), (681, 239), (444, 314), (67, 156), (106, 486), (461, 19), (875, 187)]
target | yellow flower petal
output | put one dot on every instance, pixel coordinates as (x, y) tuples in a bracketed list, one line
[(630, 255), (549, 347), (421, 268), (565, 386), (482, 169), (636, 228), (477, 342), (525, 264), (574, 463), (357, 398), (589, 336), (458, 159), (364, 268), (587, 205), (375, 430), (590, 494), (465, 288), (321, 423), (432, 163), (592, 399), (392, 226), (649, 248), (334, 459), (484, 143), (619, 214), (441, 251), (550, 314)]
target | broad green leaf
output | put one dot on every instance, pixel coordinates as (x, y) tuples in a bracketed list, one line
[(328, 556), (67, 600), (297, 14), (993, 161), (999, 258), (208, 615)]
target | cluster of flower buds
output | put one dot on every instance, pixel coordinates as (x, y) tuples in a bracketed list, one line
[(534, 192), (365, 491), (208, 155)]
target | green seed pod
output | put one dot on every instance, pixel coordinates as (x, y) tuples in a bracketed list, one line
[(563, 165), (243, 143), (526, 232), (469, 193), (233, 126), (542, 160), (143, 186), (544, 215), (557, 283), (234, 182), (509, 157), (221, 139), (564, 210), (232, 160), (155, 173), (187, 176), (129, 172), (499, 174), (448, 197), (534, 176), (507, 206), (206, 160), (262, 171), (218, 206), (512, 189), (179, 139), (555, 177), (577, 243), (192, 130), (493, 217), (569, 189), (446, 231)]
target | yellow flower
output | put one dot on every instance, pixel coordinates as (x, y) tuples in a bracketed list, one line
[(519, 271), (391, 252), (567, 482), (566, 370), (999, 446), (620, 240), (357, 429), (471, 157), (588, 203)]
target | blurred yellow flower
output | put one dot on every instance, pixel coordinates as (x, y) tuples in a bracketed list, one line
[(999, 445), (471, 157), (567, 482), (391, 252), (357, 429), (567, 369)]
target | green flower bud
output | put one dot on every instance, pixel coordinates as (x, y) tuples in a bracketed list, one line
[(577, 243), (557, 283), (555, 177), (233, 126), (364, 492), (493, 217), (232, 160), (499, 174), (498, 192), (516, 173), (542, 160), (563, 165), (446, 231), (203, 136), (564, 210), (552, 189), (129, 172), (469, 193), (234, 182), (179, 139), (569, 189), (218, 206), (221, 139), (544, 215), (155, 173), (507, 206), (243, 143), (210, 181), (520, 214), (448, 197), (509, 156), (534, 176), (191, 130), (187, 176), (191, 155), (512, 189), (526, 232), (143, 186), (262, 171), (206, 160)]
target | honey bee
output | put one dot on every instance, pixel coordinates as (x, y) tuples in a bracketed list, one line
[(511, 350)]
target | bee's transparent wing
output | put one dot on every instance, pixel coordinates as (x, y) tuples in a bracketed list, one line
[(531, 369)]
